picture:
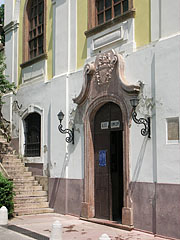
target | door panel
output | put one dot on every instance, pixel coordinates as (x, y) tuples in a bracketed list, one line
[(116, 152), (102, 177), (108, 176)]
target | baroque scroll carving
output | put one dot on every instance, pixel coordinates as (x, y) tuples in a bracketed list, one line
[(104, 68)]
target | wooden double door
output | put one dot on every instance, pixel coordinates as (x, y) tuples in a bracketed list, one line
[(108, 163)]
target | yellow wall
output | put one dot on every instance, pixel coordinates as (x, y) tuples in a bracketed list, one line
[(20, 40), (48, 39), (142, 22), (81, 28)]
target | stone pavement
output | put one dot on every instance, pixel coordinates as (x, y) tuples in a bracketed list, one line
[(6, 234), (39, 227)]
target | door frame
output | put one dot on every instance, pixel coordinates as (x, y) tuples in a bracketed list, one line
[(104, 81), (106, 134), (88, 205)]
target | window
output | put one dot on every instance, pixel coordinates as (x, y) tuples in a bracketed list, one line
[(108, 9), (34, 35), (102, 12), (36, 28), (173, 130), (32, 135)]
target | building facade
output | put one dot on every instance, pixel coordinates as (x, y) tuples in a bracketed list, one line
[(89, 59)]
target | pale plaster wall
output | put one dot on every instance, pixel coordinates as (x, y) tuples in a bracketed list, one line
[(170, 17), (9, 11), (61, 34), (158, 67), (8, 55), (119, 37), (167, 75), (165, 18), (65, 34), (60, 159)]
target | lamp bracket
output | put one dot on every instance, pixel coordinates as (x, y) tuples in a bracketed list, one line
[(146, 122), (70, 132)]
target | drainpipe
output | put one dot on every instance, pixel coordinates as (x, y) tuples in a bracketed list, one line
[(154, 141)]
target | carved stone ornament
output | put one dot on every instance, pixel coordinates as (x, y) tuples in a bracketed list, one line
[(105, 67), (106, 76)]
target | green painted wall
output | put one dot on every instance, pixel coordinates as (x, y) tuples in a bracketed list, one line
[(49, 40), (142, 22), (81, 28)]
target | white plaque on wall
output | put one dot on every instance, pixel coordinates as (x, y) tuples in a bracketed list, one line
[(104, 125), (115, 124)]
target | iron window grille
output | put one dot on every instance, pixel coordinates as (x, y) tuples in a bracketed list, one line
[(32, 149)]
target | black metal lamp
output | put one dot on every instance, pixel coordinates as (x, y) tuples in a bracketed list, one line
[(70, 132), (146, 131)]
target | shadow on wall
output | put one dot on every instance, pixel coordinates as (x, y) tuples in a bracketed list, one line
[(138, 164), (60, 187), (57, 182)]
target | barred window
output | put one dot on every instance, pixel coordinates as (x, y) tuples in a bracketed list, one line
[(36, 28), (108, 9)]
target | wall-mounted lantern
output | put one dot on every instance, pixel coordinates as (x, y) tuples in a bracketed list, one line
[(146, 131), (70, 132)]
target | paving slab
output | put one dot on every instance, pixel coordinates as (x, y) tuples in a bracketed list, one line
[(74, 228), (6, 234)]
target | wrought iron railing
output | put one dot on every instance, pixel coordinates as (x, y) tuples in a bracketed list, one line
[(32, 149)]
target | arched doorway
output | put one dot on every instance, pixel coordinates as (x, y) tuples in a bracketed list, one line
[(32, 135), (104, 82), (108, 162)]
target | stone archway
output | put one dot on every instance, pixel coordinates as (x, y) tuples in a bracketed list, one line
[(105, 82)]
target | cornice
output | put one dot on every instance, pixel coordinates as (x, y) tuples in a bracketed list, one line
[(53, 2)]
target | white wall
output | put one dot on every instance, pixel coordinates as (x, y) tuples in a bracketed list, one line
[(158, 67), (64, 49), (165, 18), (9, 11), (119, 37)]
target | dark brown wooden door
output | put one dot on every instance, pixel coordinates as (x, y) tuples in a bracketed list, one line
[(108, 162)]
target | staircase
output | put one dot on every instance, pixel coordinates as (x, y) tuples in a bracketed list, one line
[(30, 197)]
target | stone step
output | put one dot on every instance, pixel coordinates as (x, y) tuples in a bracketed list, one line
[(30, 197), (23, 178), (22, 188), (13, 165), (18, 168), (25, 183), (30, 193), (11, 155), (28, 211), (31, 205), (11, 159), (19, 173), (27, 200)]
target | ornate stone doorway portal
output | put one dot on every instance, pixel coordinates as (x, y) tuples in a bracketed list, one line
[(105, 87)]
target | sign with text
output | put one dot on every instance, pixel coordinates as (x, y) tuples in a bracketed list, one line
[(115, 124), (104, 125), (102, 158)]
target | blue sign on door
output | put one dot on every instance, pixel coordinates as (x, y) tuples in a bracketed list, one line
[(102, 158)]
